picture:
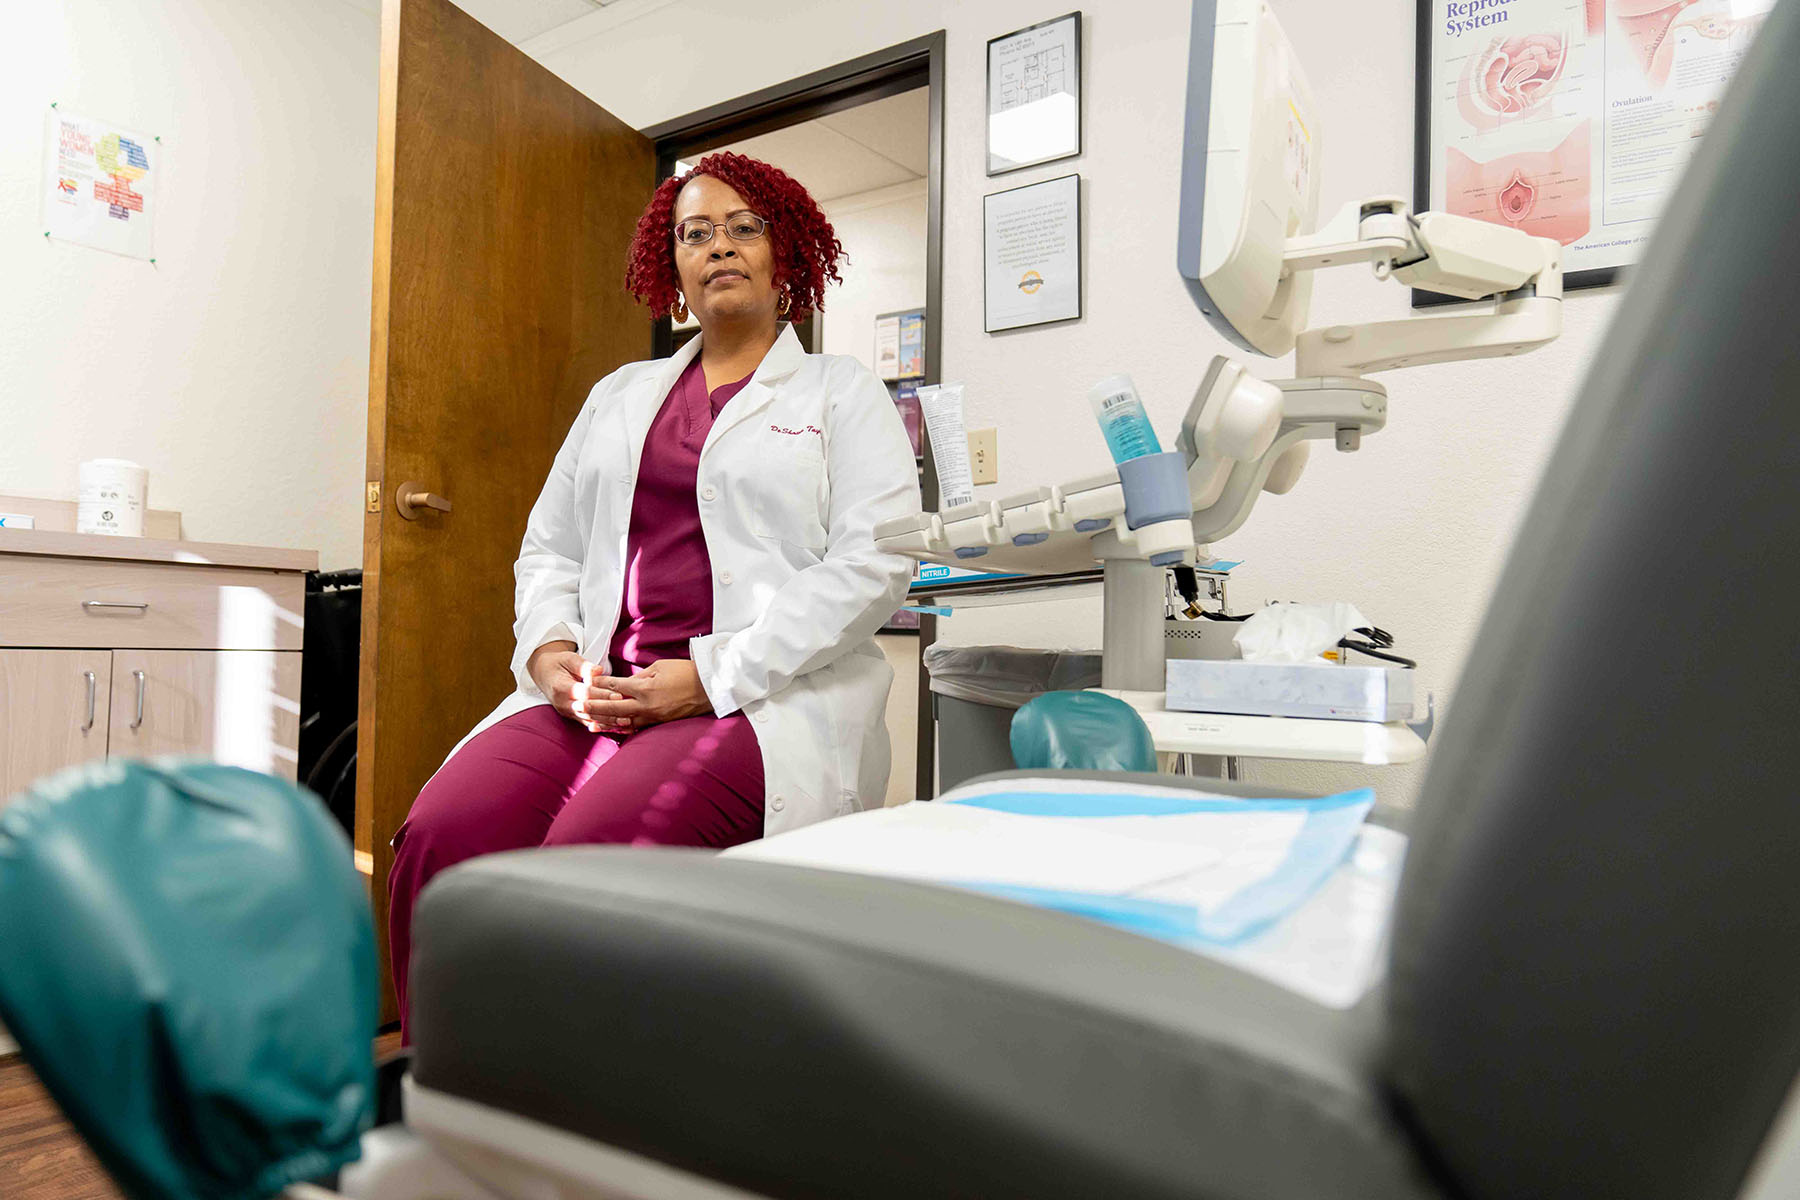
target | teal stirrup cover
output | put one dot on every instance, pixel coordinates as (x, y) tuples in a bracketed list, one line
[(190, 969), (1081, 731)]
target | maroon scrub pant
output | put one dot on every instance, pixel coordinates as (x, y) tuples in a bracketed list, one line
[(539, 779)]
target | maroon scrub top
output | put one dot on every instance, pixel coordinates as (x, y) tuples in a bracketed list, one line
[(668, 573)]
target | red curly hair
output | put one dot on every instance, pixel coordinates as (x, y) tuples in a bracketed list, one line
[(806, 249)]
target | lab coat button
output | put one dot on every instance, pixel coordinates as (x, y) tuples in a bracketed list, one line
[(777, 803), (760, 717), (707, 493), (725, 577)]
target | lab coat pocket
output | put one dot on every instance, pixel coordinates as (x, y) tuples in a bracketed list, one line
[(786, 497)]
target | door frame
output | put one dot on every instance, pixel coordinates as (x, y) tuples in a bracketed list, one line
[(899, 68)]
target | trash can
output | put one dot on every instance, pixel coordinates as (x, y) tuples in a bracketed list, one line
[(976, 689), (330, 661)]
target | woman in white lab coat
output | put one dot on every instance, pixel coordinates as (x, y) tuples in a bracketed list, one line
[(699, 584)]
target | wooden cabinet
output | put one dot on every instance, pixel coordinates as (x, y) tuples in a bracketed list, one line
[(53, 712), (131, 647), (128, 648), (235, 706), (51, 601)]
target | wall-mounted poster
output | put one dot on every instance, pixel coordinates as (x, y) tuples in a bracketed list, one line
[(912, 414), (904, 621), (1569, 119), (100, 184), (1034, 95), (887, 346), (1032, 244), (900, 345), (912, 344)]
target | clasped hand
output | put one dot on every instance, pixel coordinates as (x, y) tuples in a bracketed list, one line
[(667, 690)]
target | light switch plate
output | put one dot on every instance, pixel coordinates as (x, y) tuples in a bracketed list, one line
[(984, 456)]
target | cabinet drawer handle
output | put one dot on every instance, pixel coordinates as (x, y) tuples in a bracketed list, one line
[(89, 676), (90, 605), (139, 719)]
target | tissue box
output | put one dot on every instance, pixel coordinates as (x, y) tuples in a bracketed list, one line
[(1262, 689)]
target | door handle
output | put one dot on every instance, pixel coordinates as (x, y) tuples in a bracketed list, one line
[(139, 719), (89, 676), (91, 605), (411, 496)]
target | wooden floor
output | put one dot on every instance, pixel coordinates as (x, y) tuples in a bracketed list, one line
[(41, 1157)]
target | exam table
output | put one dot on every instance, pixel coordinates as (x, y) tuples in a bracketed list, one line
[(1593, 989)]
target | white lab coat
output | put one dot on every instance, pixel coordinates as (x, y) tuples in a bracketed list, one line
[(800, 466)]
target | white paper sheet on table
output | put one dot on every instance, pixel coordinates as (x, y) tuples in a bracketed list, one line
[(1333, 948), (1327, 945), (951, 842)]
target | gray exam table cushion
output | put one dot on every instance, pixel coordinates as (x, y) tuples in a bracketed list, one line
[(809, 1033)]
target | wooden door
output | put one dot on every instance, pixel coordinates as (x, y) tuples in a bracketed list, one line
[(505, 203), (232, 706), (52, 712)]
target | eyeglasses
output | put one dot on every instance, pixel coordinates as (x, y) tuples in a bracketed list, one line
[(739, 227)]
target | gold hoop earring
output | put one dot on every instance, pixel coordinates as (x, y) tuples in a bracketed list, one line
[(679, 313), (787, 303)]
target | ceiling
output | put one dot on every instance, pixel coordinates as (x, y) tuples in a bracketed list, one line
[(871, 146), (518, 20)]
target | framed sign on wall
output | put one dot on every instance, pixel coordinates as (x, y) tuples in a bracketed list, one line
[(1031, 243), (1568, 119), (1034, 95)]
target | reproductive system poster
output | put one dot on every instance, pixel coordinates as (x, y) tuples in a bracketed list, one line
[(1572, 119)]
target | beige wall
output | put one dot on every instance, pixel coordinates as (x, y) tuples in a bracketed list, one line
[(883, 233), (902, 653), (1412, 528), (236, 367)]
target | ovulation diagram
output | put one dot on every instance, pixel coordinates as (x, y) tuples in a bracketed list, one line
[(1666, 66), (1572, 119), (1650, 30)]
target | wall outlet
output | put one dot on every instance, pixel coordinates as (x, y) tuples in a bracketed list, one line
[(984, 457)]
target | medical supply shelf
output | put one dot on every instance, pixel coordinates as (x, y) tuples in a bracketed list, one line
[(1043, 531), (1076, 537), (1229, 735), (1222, 735), (1003, 589)]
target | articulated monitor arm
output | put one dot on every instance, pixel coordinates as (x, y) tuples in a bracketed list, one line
[(1243, 436), (1520, 275)]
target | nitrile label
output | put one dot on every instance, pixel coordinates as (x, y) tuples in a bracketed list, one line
[(932, 573)]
